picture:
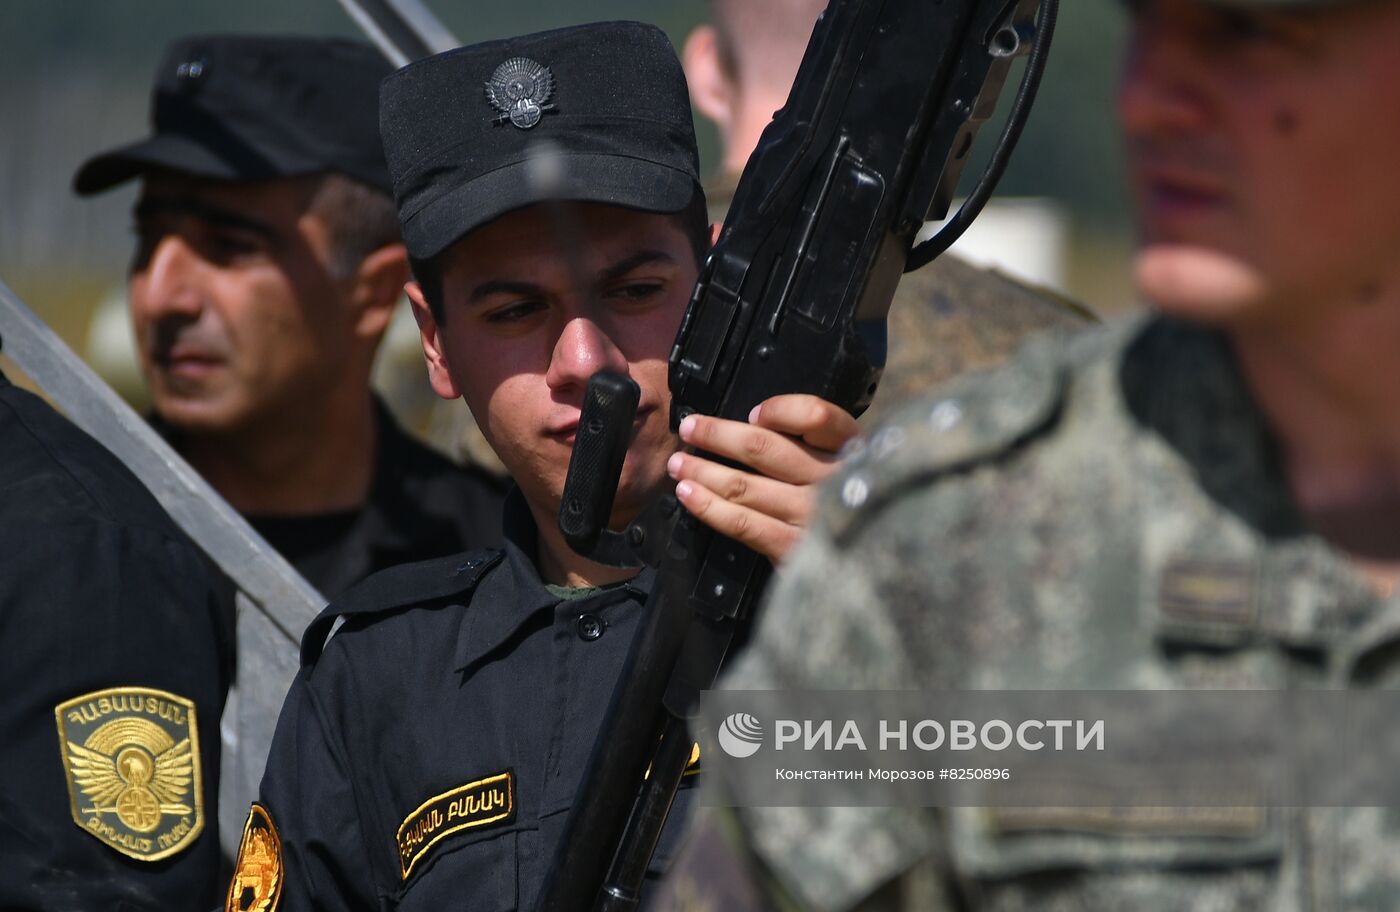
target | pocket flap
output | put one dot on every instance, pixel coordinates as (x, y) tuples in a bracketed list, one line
[(1013, 841), (479, 875)]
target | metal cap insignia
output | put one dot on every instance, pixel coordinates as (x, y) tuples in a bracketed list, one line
[(131, 755), (520, 89)]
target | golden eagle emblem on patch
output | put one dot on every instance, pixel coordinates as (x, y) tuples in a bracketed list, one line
[(257, 874), (131, 759)]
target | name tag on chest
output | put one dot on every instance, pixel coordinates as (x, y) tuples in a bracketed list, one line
[(486, 802)]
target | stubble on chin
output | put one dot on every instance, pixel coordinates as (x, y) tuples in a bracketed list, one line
[(1197, 283)]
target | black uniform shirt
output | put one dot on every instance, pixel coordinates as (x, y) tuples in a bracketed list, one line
[(106, 615), (428, 759), (420, 505)]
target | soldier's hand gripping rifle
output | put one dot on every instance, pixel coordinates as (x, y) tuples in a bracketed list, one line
[(793, 299)]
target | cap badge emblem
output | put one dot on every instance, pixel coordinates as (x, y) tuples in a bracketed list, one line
[(189, 76), (520, 89)]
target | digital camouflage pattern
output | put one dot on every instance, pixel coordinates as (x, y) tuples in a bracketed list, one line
[(1106, 512), (946, 319)]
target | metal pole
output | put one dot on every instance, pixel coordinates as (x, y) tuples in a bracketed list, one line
[(404, 30)]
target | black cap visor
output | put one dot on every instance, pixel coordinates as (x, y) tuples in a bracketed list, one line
[(184, 154), (614, 180)]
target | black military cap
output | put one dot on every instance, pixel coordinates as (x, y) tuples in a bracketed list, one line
[(594, 113), (238, 107)]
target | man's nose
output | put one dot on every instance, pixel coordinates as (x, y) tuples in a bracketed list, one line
[(583, 349), (166, 282), (1160, 91)]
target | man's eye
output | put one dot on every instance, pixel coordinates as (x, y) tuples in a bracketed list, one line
[(1240, 27), (637, 291), (513, 313), (224, 246), (146, 238)]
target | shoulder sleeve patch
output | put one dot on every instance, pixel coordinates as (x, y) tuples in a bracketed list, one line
[(970, 421), (399, 587), (257, 873), (131, 760)]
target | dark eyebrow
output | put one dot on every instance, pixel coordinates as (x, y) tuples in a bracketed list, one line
[(205, 212), (640, 258), (504, 286), (528, 289)]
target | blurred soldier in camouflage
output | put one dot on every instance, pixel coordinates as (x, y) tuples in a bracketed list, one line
[(1208, 497), (947, 318)]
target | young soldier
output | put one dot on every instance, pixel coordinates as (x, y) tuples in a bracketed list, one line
[(267, 267), (428, 757), (1207, 498)]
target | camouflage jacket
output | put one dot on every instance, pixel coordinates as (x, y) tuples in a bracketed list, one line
[(1106, 512)]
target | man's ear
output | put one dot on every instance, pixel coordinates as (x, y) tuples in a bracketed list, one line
[(378, 281), (712, 91), (439, 372)]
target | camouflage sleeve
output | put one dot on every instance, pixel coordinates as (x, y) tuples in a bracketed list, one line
[(827, 859), (901, 584), (716, 871)]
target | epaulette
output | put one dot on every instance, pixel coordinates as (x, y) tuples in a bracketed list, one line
[(972, 420), (399, 587)]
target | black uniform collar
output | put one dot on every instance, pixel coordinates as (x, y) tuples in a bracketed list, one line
[(514, 592), (382, 504), (384, 510), (1222, 435)]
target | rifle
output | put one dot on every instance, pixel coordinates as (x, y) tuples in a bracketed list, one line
[(793, 298)]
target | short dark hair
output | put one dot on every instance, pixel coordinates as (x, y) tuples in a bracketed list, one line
[(359, 220), (693, 220)]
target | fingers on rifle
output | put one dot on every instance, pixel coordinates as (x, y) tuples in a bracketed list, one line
[(780, 500), (821, 424), (770, 537), (769, 452)]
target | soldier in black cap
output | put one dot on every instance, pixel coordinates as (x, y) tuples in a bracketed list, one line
[(268, 265), (114, 680), (430, 751)]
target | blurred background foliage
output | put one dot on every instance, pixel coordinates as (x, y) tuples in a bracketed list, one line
[(75, 76)]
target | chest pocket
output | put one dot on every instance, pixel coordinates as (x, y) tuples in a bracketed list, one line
[(1159, 858), (536, 859), (477, 874)]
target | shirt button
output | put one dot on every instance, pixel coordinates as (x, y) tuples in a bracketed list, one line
[(590, 627)]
